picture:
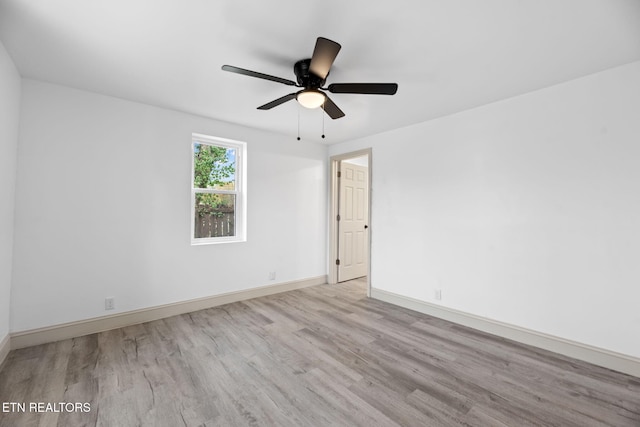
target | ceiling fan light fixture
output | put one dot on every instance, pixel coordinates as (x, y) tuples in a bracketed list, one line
[(310, 98)]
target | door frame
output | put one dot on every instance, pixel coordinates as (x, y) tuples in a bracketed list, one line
[(334, 201)]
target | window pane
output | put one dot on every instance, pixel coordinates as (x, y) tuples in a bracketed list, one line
[(214, 167), (215, 215)]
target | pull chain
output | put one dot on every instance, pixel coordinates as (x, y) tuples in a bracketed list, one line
[(323, 112), (298, 122)]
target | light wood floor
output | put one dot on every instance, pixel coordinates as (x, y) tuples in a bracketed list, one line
[(321, 356)]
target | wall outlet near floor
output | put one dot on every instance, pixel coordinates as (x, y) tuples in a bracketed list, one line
[(438, 294), (110, 303), (272, 275)]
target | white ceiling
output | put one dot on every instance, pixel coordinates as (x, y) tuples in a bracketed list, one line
[(446, 55)]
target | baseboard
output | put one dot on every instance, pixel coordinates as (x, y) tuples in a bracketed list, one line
[(597, 356), (104, 323), (5, 346)]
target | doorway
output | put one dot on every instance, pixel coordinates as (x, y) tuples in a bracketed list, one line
[(350, 220)]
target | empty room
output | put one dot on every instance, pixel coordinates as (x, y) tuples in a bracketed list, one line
[(285, 213)]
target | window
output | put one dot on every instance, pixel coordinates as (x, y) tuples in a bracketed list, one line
[(218, 192)]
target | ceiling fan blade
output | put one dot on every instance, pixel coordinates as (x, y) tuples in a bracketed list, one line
[(324, 54), (364, 88), (277, 102), (331, 108), (250, 73)]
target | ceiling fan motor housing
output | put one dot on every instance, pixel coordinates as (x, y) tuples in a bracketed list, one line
[(305, 77)]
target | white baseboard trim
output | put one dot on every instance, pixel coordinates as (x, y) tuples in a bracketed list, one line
[(104, 323), (5, 346), (597, 356)]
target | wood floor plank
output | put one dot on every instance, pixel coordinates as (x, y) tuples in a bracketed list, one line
[(324, 355), (391, 403)]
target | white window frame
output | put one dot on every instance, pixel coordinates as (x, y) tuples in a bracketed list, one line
[(240, 192)]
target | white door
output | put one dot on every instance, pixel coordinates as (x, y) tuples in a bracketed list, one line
[(352, 227)]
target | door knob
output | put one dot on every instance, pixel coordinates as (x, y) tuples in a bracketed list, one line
[(366, 226)]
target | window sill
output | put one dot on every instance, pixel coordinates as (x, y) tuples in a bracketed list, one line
[(217, 240)]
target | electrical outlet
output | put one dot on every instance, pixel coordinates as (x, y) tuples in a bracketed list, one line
[(438, 294), (272, 275), (110, 303)]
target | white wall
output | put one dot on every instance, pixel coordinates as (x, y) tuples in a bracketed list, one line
[(102, 209), (9, 123), (526, 211)]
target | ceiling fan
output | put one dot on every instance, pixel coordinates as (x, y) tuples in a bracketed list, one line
[(311, 75)]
